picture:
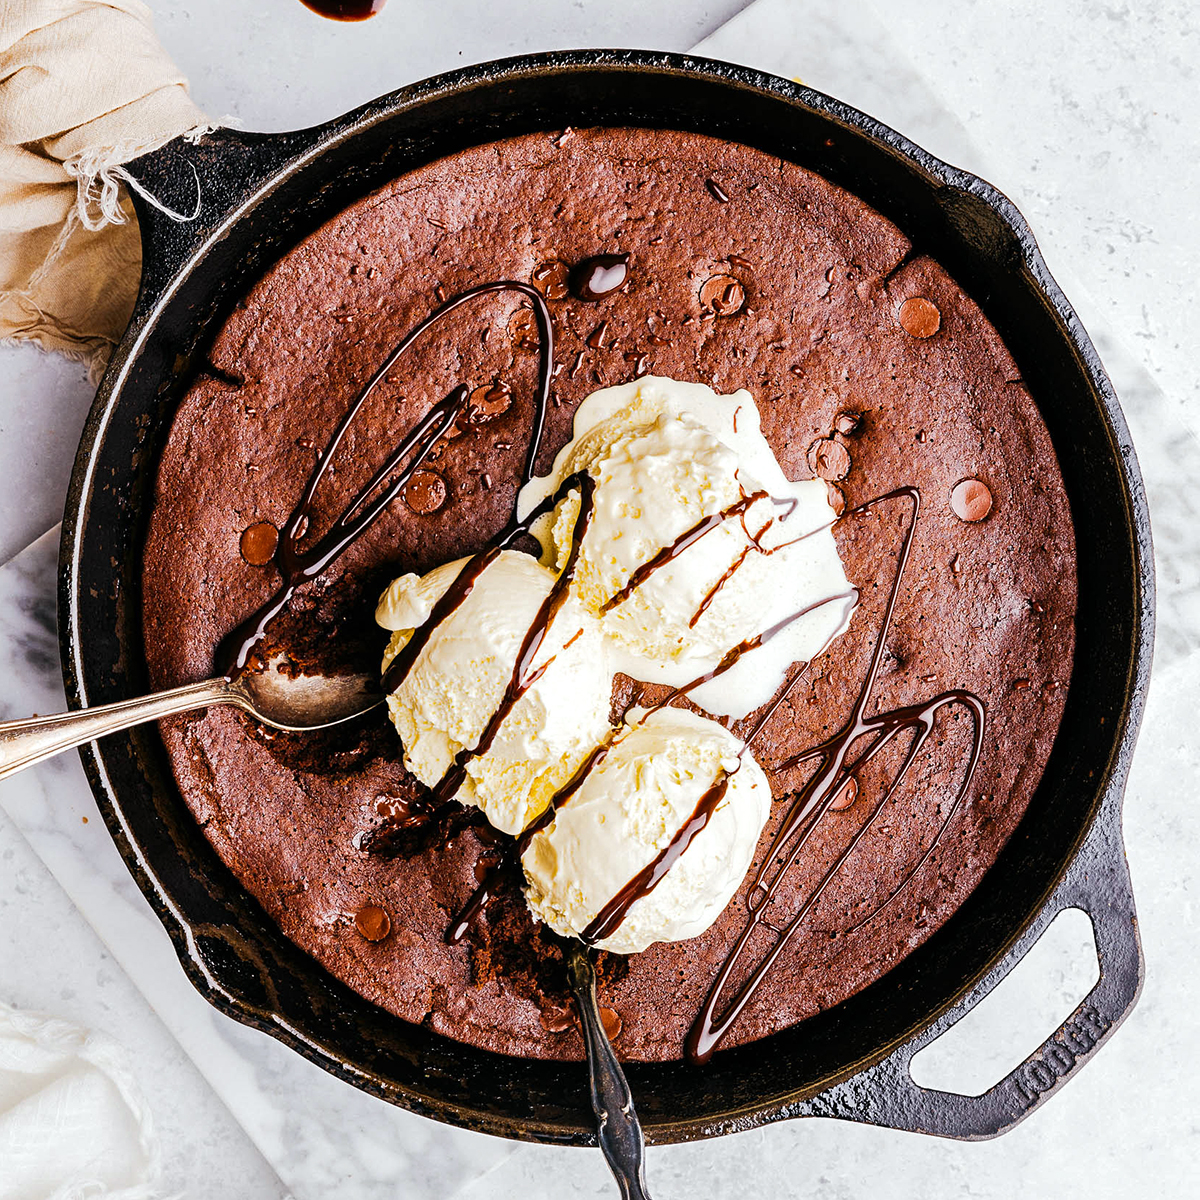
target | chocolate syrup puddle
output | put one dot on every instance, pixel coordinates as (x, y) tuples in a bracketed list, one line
[(297, 566), (816, 797), (598, 276)]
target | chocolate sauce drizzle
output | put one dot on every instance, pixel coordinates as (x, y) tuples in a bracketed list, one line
[(609, 918), (648, 879), (524, 674), (815, 798), (297, 566), (669, 553)]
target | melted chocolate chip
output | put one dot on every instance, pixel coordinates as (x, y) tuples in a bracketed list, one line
[(848, 423), (971, 500), (556, 1017), (599, 276), (425, 492), (837, 499), (716, 191), (490, 401), (723, 295), (372, 922), (846, 797), (552, 279), (257, 543), (828, 459), (522, 329), (920, 317), (611, 1020)]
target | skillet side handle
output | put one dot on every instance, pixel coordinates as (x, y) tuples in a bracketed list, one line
[(195, 188), (1098, 883)]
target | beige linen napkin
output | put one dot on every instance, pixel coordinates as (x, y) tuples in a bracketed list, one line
[(84, 87)]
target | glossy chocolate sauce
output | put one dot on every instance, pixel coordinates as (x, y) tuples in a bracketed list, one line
[(524, 674), (345, 10), (645, 882), (834, 773), (297, 566), (669, 553), (609, 918)]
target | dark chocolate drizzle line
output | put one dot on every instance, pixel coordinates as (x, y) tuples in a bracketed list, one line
[(817, 796), (607, 920), (458, 592), (483, 893), (639, 886), (669, 553), (297, 566), (522, 679)]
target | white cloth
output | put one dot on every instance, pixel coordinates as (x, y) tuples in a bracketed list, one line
[(73, 1124)]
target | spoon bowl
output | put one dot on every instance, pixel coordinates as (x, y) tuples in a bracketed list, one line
[(294, 703)]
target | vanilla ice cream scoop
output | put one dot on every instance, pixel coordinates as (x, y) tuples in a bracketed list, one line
[(458, 681), (655, 840), (697, 544)]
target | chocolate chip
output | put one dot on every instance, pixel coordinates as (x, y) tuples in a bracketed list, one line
[(837, 501), (611, 1020), (828, 459), (523, 330), (971, 500), (425, 492), (848, 423), (595, 339), (550, 278), (258, 543), (599, 276), (920, 317), (723, 295), (490, 401), (716, 191), (846, 796), (557, 1017), (373, 922)]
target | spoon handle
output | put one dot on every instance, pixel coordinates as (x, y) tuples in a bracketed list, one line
[(617, 1127), (29, 741)]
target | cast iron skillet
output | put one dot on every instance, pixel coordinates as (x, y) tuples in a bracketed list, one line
[(260, 194)]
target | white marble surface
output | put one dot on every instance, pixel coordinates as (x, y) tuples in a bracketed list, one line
[(1086, 116)]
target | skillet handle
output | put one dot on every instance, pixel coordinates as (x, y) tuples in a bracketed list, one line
[(205, 183), (1096, 882)]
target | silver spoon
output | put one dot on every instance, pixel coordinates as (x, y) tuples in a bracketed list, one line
[(273, 696), (617, 1127)]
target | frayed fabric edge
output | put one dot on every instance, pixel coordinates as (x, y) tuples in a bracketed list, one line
[(109, 1057), (99, 172)]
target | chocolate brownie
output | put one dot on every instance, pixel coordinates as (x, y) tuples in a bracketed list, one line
[(871, 367)]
